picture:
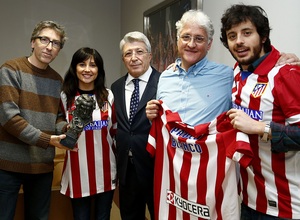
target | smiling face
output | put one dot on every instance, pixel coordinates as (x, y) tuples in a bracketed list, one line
[(139, 60), (43, 54), (87, 72), (245, 44), (192, 52)]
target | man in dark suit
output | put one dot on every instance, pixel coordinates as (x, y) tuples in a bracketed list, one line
[(135, 165)]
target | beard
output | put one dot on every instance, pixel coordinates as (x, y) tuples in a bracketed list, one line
[(246, 61)]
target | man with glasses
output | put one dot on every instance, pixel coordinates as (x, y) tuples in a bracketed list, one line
[(29, 104), (198, 90), (134, 164)]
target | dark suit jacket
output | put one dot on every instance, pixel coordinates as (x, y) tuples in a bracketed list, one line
[(134, 136)]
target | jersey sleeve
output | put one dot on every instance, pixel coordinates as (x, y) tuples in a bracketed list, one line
[(238, 147), (287, 93)]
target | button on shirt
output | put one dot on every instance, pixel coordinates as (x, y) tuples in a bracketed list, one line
[(199, 94), (129, 87)]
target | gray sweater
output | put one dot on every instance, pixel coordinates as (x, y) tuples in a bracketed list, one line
[(29, 115)]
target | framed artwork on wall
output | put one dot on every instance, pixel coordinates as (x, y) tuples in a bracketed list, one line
[(159, 27)]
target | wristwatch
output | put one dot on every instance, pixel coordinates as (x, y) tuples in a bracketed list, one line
[(267, 131)]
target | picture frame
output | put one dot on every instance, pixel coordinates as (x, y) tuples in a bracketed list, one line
[(159, 27)]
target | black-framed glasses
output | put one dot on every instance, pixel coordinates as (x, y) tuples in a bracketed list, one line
[(46, 41), (197, 39), (138, 52)]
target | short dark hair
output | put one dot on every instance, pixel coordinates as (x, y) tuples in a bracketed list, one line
[(59, 29)]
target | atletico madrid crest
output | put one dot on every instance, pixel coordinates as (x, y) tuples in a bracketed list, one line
[(259, 89)]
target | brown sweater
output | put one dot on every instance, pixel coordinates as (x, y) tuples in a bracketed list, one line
[(29, 114)]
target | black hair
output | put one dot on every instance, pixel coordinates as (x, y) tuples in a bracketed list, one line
[(239, 13), (71, 82)]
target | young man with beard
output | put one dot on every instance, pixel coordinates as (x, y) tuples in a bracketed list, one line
[(262, 94)]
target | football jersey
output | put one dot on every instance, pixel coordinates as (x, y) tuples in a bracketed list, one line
[(195, 170), (92, 169), (271, 184)]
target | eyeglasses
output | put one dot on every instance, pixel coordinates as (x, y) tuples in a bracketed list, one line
[(46, 41), (139, 52), (188, 38)]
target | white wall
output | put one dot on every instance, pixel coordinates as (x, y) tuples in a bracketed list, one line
[(93, 23), (132, 14), (284, 18), (132, 18)]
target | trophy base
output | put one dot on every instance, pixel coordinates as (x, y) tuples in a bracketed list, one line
[(69, 142)]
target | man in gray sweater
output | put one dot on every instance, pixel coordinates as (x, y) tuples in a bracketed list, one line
[(29, 117)]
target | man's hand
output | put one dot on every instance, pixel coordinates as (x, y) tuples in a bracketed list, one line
[(243, 122), (152, 109), (288, 58), (55, 141), (172, 66)]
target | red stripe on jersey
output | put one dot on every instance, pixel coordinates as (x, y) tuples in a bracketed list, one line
[(74, 162), (202, 175), (184, 176), (171, 154), (282, 185), (106, 161), (258, 178)]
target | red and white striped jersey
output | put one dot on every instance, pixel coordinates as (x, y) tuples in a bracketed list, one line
[(195, 170), (271, 184), (92, 169)]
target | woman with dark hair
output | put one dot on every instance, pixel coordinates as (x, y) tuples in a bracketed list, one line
[(89, 174)]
